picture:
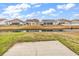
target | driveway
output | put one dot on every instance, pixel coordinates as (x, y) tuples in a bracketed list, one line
[(42, 48)]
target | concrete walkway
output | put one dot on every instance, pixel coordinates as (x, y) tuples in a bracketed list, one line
[(43, 48)]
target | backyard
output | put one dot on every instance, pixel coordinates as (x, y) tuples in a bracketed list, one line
[(69, 39)]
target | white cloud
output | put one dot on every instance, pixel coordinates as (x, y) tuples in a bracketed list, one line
[(74, 16), (33, 5), (16, 8), (37, 5), (15, 15), (48, 11), (30, 15), (53, 14), (66, 6), (11, 16), (77, 15), (1, 16), (13, 11), (34, 15)]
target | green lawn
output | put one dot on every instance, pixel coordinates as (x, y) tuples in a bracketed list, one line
[(8, 39)]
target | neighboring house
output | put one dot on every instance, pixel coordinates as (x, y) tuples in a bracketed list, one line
[(32, 22), (60, 21), (15, 22), (75, 22), (65, 22), (48, 22), (3, 21)]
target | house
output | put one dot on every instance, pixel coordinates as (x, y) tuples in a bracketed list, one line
[(32, 22), (48, 22), (75, 22), (64, 22), (15, 22), (3, 21)]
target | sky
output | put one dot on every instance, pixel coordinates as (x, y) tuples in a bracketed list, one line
[(39, 10)]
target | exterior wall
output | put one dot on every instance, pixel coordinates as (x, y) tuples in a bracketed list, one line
[(49, 22), (32, 23), (75, 22), (3, 23), (16, 23), (46, 23)]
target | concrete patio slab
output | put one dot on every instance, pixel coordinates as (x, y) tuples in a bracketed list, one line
[(42, 48)]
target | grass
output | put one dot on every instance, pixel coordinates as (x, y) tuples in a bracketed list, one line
[(9, 39), (69, 39)]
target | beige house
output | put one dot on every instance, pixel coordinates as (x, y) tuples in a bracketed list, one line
[(75, 22), (15, 22), (55, 22), (48, 22), (65, 22), (3, 21), (32, 22)]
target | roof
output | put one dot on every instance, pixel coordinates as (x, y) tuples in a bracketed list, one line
[(64, 20), (15, 20), (48, 20), (32, 20), (2, 19), (76, 20)]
